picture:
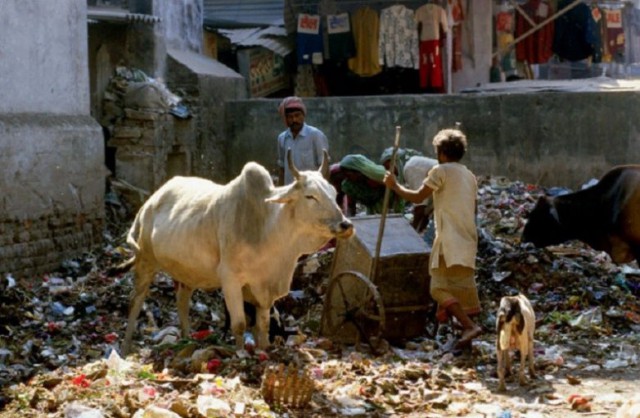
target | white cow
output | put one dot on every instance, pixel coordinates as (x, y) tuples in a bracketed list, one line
[(244, 237)]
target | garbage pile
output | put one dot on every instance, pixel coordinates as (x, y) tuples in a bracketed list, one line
[(131, 88), (60, 335)]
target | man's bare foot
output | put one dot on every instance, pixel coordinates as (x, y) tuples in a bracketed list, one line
[(468, 335)]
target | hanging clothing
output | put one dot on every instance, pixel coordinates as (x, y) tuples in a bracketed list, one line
[(600, 29), (366, 27), (535, 48), (430, 71), (309, 39), (339, 37), (504, 21), (398, 38), (575, 32), (615, 35), (291, 10), (432, 25), (304, 82), (505, 27), (325, 8), (432, 22)]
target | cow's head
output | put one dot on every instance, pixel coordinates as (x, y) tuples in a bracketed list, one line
[(543, 226), (311, 199)]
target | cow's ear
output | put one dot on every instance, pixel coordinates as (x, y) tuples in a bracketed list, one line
[(283, 195)]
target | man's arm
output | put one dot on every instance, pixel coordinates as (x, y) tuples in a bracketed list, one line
[(320, 144), (413, 196), (280, 160)]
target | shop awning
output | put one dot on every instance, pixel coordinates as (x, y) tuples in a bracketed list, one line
[(243, 13), (113, 15), (273, 38)]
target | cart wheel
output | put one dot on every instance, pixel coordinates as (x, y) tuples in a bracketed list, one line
[(353, 311)]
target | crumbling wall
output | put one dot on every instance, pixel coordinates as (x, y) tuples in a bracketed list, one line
[(151, 145), (52, 204)]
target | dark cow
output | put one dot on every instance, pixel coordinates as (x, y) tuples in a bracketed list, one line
[(606, 216)]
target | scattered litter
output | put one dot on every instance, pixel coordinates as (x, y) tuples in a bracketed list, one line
[(61, 333)]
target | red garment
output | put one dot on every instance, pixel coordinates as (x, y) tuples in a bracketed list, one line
[(504, 22), (615, 33), (431, 75), (537, 47)]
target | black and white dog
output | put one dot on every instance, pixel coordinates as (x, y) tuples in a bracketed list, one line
[(515, 324)]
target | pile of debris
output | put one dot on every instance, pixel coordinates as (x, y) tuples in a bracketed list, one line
[(60, 334), (131, 88)]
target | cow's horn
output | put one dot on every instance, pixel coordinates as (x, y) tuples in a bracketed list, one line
[(324, 168), (292, 167)]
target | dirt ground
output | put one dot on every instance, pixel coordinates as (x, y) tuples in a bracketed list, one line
[(60, 335), (605, 390)]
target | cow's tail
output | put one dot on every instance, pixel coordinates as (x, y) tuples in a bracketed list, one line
[(134, 233), (121, 268), (132, 240)]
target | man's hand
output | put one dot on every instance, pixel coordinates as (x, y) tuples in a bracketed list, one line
[(390, 180)]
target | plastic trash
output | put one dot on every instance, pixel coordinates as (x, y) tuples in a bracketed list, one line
[(249, 342), (621, 282), (76, 410), (210, 406), (590, 183), (499, 276), (167, 335), (180, 111), (11, 282), (155, 412), (588, 318), (5, 355), (630, 408), (557, 191), (118, 367)]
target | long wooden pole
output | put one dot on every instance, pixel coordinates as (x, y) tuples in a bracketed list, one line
[(385, 207)]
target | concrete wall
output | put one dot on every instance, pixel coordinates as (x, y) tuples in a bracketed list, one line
[(51, 151), (552, 139), (205, 86), (41, 68)]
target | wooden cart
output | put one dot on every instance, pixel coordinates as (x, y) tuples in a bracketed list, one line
[(395, 304)]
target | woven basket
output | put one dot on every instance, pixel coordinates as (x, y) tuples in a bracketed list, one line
[(287, 387)]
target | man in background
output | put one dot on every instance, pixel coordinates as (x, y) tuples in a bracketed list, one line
[(305, 141)]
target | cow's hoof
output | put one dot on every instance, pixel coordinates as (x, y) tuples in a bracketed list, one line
[(502, 388)]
